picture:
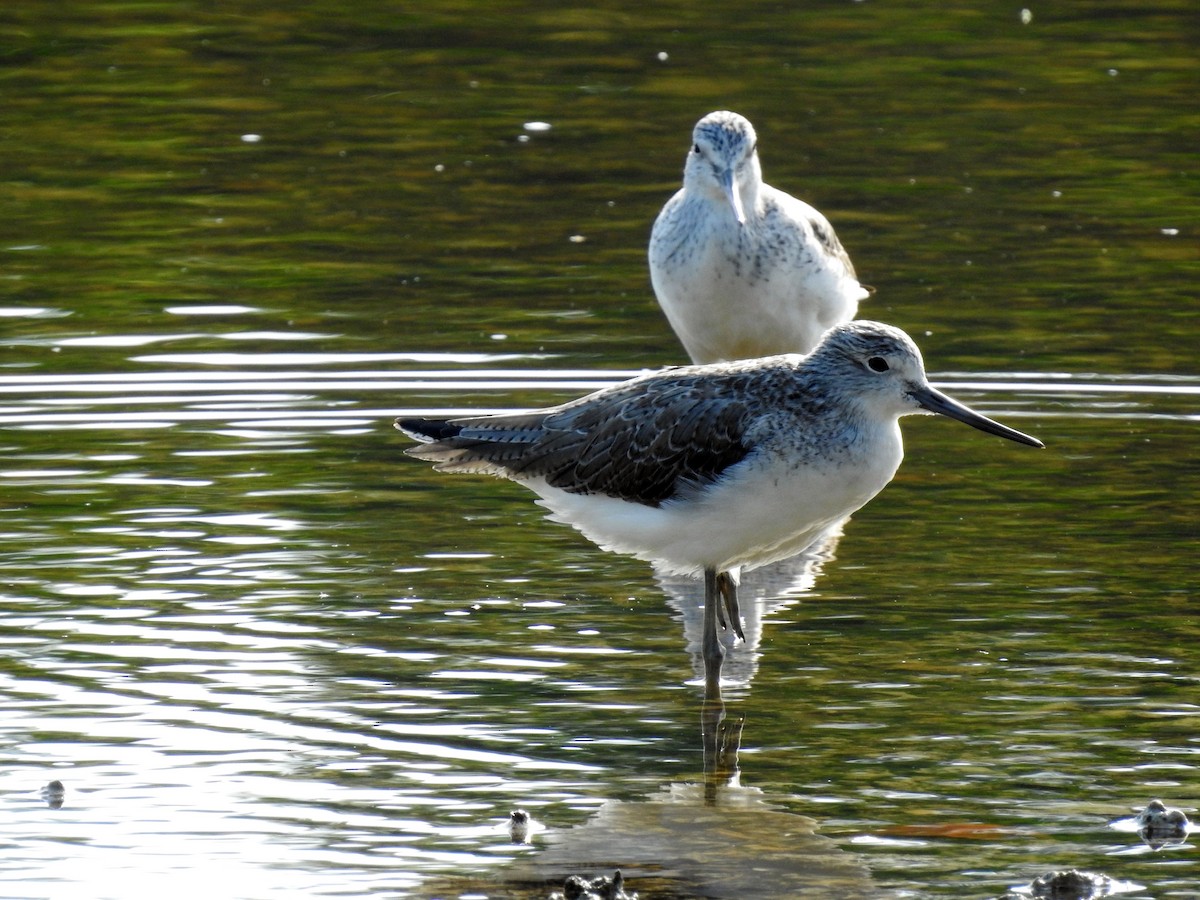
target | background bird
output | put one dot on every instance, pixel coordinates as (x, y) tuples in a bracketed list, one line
[(708, 469), (740, 268)]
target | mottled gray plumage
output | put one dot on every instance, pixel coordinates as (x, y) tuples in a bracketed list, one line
[(641, 441), (712, 468)]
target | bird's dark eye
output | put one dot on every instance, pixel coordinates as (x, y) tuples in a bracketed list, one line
[(695, 148), (877, 364)]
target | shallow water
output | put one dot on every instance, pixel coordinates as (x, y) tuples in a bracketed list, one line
[(267, 655)]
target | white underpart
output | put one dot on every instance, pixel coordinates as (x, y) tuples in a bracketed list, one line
[(723, 306), (765, 510)]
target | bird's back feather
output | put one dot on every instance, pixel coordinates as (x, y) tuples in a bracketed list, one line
[(644, 442)]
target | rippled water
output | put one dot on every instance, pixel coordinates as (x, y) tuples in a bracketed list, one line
[(267, 655)]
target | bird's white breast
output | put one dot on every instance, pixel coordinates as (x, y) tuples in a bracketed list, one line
[(769, 507), (735, 291)]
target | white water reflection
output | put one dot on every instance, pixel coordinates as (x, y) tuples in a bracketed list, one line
[(172, 725), (320, 400), (762, 593)]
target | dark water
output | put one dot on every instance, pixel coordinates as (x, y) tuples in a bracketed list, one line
[(267, 656)]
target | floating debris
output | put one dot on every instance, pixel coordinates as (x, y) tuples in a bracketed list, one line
[(577, 887), (521, 826), (1072, 884), (1159, 825), (54, 793)]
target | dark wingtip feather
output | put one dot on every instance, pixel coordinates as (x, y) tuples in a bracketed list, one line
[(428, 429)]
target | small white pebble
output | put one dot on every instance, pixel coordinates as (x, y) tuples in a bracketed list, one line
[(1026, 16), (1056, 193), (537, 126), (439, 168), (1170, 232), (523, 138), (663, 56), (499, 337), (1113, 72), (251, 138), (577, 239)]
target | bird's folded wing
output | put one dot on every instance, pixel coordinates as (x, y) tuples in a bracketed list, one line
[(642, 444)]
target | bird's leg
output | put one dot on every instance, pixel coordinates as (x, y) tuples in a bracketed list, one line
[(731, 616), (710, 644)]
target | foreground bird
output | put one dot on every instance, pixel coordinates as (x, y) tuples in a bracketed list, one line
[(708, 469), (742, 269)]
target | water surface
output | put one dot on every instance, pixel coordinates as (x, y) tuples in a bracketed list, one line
[(267, 655)]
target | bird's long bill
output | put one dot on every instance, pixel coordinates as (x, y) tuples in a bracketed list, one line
[(729, 186), (936, 402)]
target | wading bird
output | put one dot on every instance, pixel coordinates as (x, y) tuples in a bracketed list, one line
[(740, 268), (712, 469)]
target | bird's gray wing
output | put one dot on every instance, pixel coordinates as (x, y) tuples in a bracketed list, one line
[(781, 208), (644, 441)]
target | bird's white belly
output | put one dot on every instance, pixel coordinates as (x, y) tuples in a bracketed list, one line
[(761, 514), (726, 305)]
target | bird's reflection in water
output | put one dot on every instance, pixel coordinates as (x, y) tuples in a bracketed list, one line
[(715, 838), (762, 592)]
